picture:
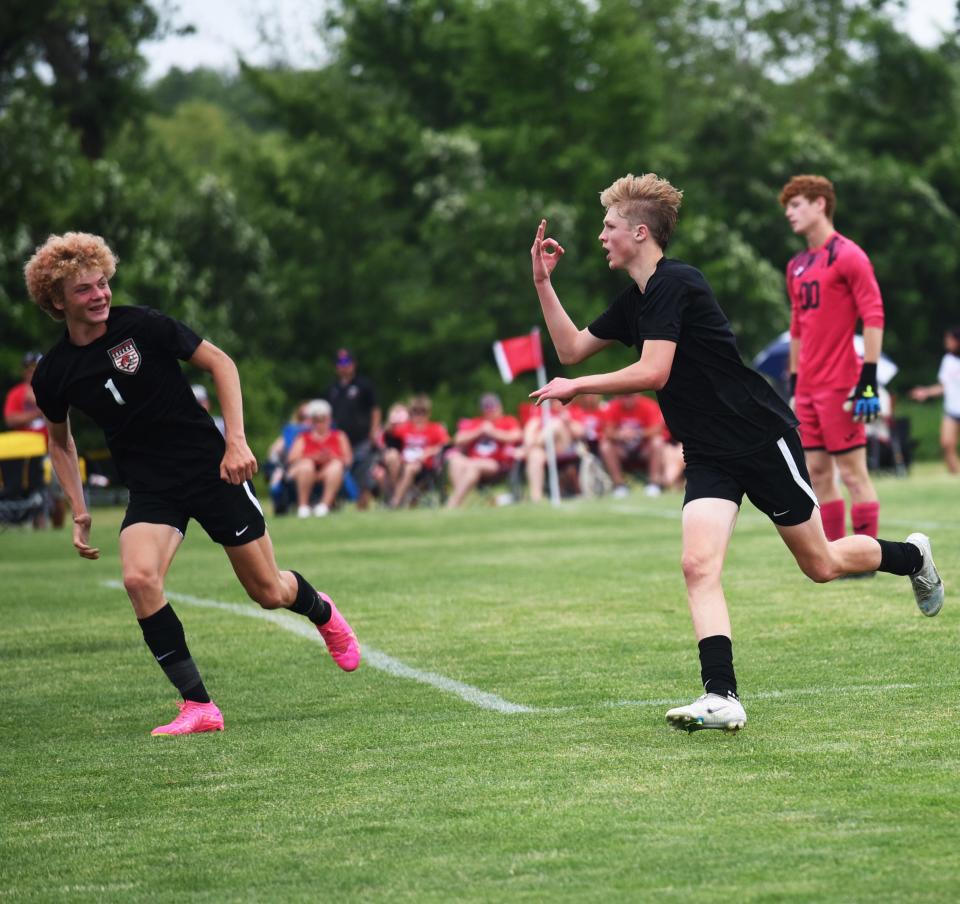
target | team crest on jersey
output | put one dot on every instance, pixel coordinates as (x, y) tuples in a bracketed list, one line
[(125, 357)]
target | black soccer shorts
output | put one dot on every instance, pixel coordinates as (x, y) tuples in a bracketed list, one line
[(774, 479), (229, 513)]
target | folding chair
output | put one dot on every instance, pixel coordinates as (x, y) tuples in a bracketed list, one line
[(22, 486)]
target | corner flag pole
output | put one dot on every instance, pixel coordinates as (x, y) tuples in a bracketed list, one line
[(546, 422)]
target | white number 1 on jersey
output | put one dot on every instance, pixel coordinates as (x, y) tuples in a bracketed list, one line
[(114, 392)]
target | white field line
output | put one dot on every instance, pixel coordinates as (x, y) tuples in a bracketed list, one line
[(384, 663), (373, 658)]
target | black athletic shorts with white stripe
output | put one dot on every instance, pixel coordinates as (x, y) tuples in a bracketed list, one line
[(229, 513), (774, 479)]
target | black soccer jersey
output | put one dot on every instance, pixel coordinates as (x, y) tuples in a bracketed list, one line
[(130, 383), (712, 402)]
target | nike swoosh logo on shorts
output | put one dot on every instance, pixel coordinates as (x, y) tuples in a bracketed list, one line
[(242, 531), (778, 514)]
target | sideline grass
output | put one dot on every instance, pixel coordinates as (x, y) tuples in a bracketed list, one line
[(328, 786)]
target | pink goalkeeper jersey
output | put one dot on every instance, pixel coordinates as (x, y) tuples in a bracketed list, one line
[(830, 289)]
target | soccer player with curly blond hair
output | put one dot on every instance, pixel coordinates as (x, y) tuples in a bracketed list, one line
[(832, 286), (739, 437), (120, 366)]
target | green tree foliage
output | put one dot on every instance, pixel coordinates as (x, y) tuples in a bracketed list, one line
[(387, 199)]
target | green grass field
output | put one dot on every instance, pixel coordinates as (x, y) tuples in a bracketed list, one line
[(505, 739)]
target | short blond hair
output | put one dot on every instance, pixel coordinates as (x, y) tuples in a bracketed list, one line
[(59, 257), (811, 187), (646, 199)]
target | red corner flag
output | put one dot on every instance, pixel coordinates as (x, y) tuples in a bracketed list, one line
[(517, 355)]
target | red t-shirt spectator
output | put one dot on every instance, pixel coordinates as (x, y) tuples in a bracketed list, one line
[(20, 401), (639, 412), (487, 446), (592, 419), (416, 438), (323, 449)]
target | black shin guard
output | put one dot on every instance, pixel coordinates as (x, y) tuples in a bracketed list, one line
[(716, 665), (309, 602), (163, 634)]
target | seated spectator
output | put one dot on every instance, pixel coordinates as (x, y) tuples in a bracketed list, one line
[(421, 443), (319, 455), (485, 448), (633, 440), (275, 467), (20, 412), (566, 429), (591, 411)]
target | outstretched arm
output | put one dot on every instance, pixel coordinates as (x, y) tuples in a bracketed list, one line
[(63, 456), (239, 463), (573, 345), (651, 372)]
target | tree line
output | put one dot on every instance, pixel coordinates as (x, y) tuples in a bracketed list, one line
[(386, 199)]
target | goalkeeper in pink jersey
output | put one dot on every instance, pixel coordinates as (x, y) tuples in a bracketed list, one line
[(832, 286)]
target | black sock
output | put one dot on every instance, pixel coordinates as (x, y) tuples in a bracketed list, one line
[(309, 602), (716, 665), (899, 558), (163, 634)]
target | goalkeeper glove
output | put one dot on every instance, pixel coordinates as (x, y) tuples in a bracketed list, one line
[(865, 400)]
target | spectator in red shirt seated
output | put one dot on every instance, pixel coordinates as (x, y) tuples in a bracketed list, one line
[(485, 448), (20, 410), (319, 455), (633, 438), (590, 411), (419, 442), (566, 427)]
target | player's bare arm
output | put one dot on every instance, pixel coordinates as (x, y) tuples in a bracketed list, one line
[(572, 345), (239, 463), (63, 456), (651, 372)]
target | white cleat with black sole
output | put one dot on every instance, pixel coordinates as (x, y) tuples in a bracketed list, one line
[(927, 586), (708, 711)]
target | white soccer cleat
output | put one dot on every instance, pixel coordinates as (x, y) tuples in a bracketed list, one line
[(708, 711), (927, 586)]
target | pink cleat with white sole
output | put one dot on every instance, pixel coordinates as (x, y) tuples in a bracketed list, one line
[(194, 717), (339, 638)]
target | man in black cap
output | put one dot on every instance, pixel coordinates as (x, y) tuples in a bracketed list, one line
[(356, 411)]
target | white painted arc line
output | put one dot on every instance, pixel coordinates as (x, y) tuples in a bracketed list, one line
[(385, 663), (373, 658)]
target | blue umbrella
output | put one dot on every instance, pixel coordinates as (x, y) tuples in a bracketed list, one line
[(774, 360)]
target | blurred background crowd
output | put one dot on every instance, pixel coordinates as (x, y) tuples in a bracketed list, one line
[(385, 195)]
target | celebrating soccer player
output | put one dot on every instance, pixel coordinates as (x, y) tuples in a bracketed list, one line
[(120, 367), (831, 286), (738, 436)]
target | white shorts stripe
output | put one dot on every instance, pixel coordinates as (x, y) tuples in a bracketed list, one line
[(253, 498), (794, 472)]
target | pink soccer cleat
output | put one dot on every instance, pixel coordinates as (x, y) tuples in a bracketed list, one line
[(193, 717), (340, 639)]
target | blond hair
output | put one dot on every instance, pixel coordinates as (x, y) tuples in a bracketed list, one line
[(811, 187), (62, 256), (646, 199)]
